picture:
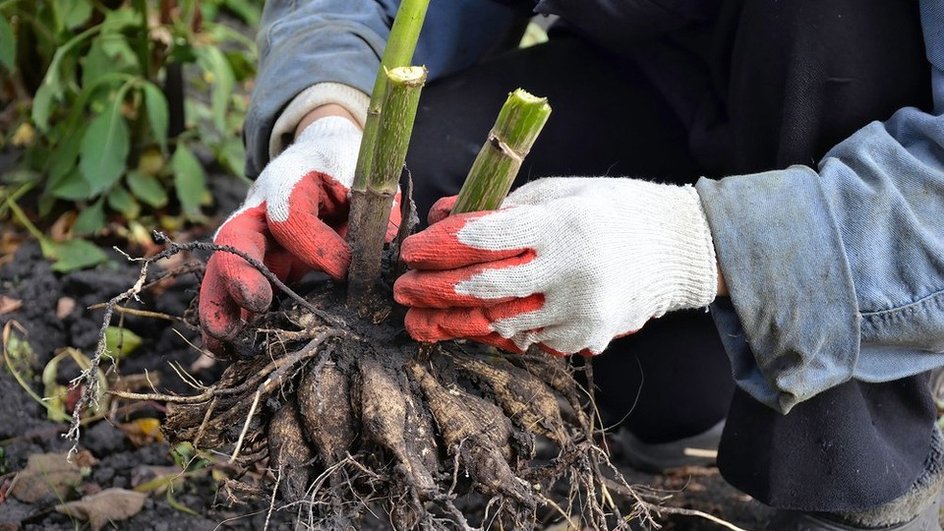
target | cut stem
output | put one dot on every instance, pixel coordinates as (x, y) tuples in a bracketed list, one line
[(517, 127), (370, 207), (398, 52)]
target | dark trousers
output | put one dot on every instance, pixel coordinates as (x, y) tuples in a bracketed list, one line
[(765, 85)]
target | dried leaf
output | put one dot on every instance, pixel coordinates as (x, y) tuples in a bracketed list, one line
[(105, 506), (9, 304), (143, 431), (46, 474), (61, 229), (24, 136)]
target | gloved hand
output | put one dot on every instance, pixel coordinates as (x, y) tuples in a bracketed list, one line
[(566, 263), (293, 220)]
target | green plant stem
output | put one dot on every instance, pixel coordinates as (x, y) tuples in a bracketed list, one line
[(24, 220), (142, 42), (517, 127), (370, 208), (398, 52), (404, 85)]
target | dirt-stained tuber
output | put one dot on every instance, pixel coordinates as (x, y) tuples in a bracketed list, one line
[(356, 417)]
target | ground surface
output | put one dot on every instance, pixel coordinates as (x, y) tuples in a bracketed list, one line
[(54, 314)]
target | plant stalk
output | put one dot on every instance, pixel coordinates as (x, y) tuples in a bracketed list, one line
[(370, 207), (517, 127), (398, 52)]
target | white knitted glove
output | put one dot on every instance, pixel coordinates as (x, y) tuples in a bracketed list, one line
[(293, 220), (566, 263)]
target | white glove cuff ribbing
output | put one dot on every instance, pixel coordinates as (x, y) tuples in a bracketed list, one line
[(352, 99), (691, 260)]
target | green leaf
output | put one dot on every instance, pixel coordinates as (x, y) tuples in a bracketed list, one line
[(51, 88), (19, 176), (48, 91), (212, 60), (147, 188), (74, 13), (45, 205), (7, 45), (95, 64), (116, 46), (157, 112), (245, 10), (232, 155), (53, 393), (70, 186), (109, 54), (62, 159), (182, 52), (119, 19), (73, 255), (189, 181), (120, 337), (244, 67), (105, 147), (119, 199), (90, 220)]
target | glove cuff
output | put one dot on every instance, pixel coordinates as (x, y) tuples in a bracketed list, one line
[(691, 258), (352, 99)]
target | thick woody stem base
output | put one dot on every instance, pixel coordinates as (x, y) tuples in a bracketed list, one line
[(369, 210)]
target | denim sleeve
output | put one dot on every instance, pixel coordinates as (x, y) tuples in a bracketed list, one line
[(305, 42), (838, 274)]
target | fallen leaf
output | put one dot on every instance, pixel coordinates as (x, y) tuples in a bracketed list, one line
[(64, 307), (143, 431), (84, 460), (10, 241), (106, 506), (9, 304), (45, 474), (24, 135), (61, 229)]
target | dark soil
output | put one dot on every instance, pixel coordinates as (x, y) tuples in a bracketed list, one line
[(25, 430)]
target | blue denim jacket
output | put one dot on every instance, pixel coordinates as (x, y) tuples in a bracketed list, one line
[(835, 272)]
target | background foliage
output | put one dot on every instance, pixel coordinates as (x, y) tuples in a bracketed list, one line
[(112, 110)]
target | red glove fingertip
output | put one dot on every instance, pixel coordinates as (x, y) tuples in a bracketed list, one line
[(219, 314), (441, 209)]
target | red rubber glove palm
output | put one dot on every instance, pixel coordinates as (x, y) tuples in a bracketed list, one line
[(293, 220)]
